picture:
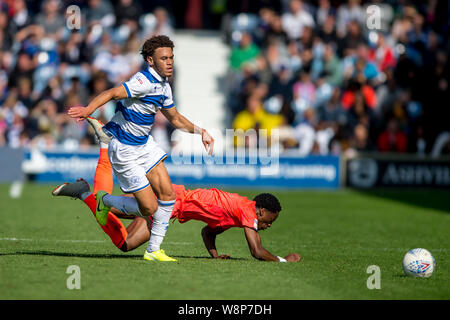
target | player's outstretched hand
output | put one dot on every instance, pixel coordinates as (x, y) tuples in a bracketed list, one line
[(293, 257), (208, 142), (80, 113)]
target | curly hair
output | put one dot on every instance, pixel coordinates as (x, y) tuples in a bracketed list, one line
[(150, 45), (267, 201)]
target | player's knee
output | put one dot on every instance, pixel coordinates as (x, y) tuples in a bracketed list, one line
[(168, 195), (149, 209)]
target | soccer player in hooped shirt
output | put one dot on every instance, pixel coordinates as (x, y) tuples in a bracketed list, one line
[(136, 159), (220, 210)]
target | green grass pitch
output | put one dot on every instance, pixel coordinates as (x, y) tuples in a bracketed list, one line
[(339, 234)]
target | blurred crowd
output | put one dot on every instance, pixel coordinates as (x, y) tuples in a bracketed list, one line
[(338, 77), (53, 58), (332, 76)]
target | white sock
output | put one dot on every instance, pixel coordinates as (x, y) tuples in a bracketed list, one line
[(103, 145), (127, 205), (160, 224)]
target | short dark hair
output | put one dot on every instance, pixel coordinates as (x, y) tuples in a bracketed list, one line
[(150, 45), (267, 201)]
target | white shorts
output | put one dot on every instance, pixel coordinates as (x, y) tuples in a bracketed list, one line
[(131, 163)]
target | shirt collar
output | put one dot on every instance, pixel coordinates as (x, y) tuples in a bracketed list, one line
[(156, 75)]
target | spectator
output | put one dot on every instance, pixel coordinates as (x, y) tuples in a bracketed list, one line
[(349, 15), (256, 118), (51, 19), (332, 66), (304, 132), (353, 37), (246, 51), (304, 93), (383, 54), (324, 91), (163, 25), (21, 17), (296, 19), (281, 84), (113, 63), (127, 12), (354, 88), (327, 31), (324, 12), (331, 111), (25, 67), (392, 139), (275, 32), (100, 12), (359, 112), (6, 32)]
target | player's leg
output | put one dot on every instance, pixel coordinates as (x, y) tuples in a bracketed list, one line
[(138, 233), (161, 184), (81, 190), (114, 228), (128, 163), (156, 175), (103, 178), (146, 201)]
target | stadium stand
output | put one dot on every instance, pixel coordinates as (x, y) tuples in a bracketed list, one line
[(312, 69), (338, 85)]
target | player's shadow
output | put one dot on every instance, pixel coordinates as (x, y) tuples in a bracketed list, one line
[(206, 258), (78, 255), (97, 255)]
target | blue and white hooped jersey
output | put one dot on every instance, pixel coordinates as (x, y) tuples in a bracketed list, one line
[(147, 93)]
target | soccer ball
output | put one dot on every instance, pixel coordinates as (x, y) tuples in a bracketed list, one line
[(418, 263)]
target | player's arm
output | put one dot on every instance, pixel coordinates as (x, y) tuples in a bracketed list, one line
[(82, 113), (180, 122), (209, 238), (260, 253)]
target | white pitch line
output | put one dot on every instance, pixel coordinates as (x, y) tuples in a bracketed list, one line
[(51, 240), (82, 241)]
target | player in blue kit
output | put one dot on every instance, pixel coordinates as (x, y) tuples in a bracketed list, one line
[(136, 159)]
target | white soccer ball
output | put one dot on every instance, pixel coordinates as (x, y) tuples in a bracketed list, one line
[(418, 262)]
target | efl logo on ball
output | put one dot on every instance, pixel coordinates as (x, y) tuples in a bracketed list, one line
[(419, 262)]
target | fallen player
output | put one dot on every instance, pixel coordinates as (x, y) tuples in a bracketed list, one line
[(220, 210)]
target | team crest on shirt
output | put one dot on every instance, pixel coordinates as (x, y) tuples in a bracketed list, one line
[(255, 224)]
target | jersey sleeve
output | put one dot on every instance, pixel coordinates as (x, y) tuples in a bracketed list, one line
[(138, 86), (168, 101)]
